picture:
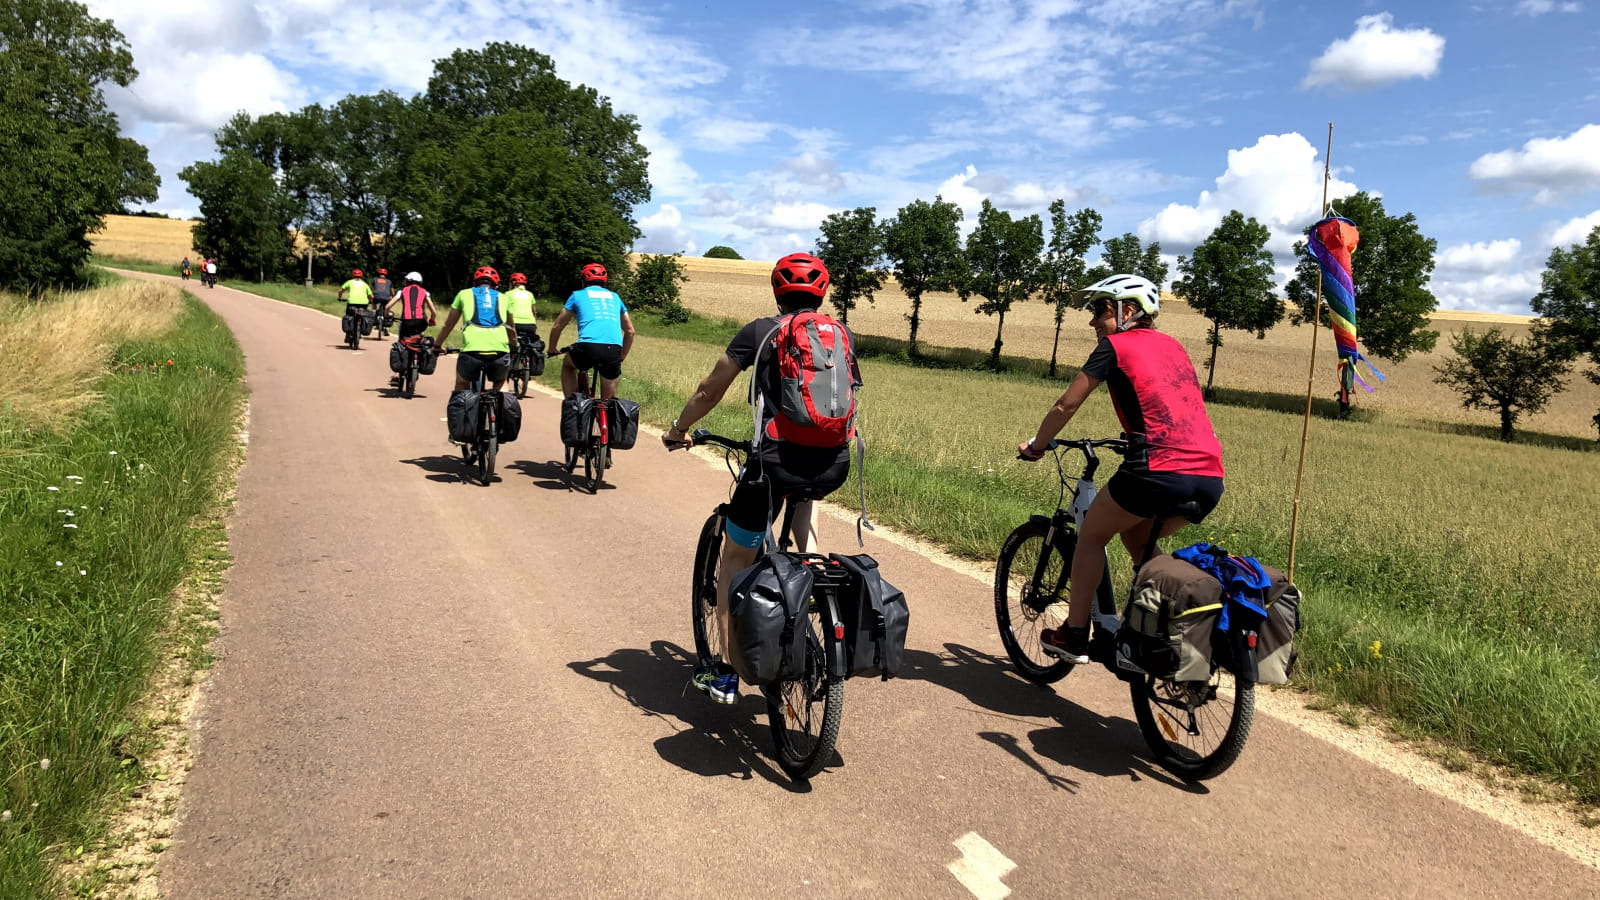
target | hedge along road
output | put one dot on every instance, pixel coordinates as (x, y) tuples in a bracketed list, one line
[(430, 688)]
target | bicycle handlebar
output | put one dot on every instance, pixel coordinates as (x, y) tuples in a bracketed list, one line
[(1084, 445), (702, 436)]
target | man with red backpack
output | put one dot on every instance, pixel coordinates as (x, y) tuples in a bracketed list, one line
[(803, 398)]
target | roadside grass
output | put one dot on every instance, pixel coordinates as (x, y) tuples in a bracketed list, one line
[(1449, 579), (95, 524)]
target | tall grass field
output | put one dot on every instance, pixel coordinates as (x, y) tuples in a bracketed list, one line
[(118, 409)]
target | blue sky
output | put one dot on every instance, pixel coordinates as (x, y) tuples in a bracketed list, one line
[(1481, 118)]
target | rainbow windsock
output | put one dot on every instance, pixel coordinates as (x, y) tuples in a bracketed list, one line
[(1332, 240)]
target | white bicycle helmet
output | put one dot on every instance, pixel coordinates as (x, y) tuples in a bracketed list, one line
[(414, 276), (1121, 289)]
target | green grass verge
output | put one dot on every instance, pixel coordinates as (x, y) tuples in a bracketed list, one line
[(95, 526)]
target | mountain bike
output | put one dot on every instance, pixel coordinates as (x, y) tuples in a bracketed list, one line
[(1196, 729), (595, 451), (480, 452), (415, 348), (385, 321), (352, 327), (804, 713), (521, 365)]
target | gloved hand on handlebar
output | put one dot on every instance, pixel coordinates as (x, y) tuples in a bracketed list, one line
[(1026, 453)]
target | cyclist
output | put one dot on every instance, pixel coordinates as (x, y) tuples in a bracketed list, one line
[(186, 268), (357, 296), (382, 289), (519, 301), (211, 271), (605, 333), (486, 335), (416, 306), (777, 470), (1175, 456)]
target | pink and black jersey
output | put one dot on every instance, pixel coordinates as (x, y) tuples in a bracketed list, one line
[(413, 302), (1157, 394)]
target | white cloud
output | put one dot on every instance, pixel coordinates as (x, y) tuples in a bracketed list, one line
[(1555, 167), (1540, 7), (1277, 181), (1376, 54), (1507, 292), (1481, 256), (716, 133), (1575, 231), (664, 233)]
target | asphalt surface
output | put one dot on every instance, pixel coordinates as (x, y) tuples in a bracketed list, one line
[(430, 688)]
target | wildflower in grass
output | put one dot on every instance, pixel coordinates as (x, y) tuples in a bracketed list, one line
[(52, 488), (1376, 649), (169, 362), (83, 571), (44, 764), (58, 562), (113, 453), (69, 525), (5, 816)]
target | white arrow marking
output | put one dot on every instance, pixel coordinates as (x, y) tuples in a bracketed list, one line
[(981, 867)]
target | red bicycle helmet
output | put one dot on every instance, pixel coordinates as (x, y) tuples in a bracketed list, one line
[(518, 278), (802, 273), (594, 272), (383, 271), (355, 273), (489, 273)]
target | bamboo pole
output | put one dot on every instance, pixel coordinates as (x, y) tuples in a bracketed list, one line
[(1316, 323)]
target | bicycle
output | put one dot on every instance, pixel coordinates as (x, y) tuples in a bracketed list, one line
[(595, 451), (384, 322), (521, 366), (1195, 729), (480, 452), (352, 326), (415, 347), (803, 733)]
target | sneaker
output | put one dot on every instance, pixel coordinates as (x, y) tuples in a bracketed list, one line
[(721, 686), (1066, 643)]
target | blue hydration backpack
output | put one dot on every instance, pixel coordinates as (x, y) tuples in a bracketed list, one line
[(486, 307)]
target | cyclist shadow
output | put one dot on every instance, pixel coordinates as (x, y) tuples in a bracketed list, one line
[(550, 475), (1082, 739), (393, 393), (445, 468), (709, 740)]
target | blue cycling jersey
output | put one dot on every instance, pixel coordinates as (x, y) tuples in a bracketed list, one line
[(599, 313)]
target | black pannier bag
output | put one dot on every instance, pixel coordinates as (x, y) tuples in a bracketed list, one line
[(510, 417), (366, 324), (875, 619), (536, 357), (767, 606), (623, 423), (427, 359), (350, 324), (576, 413), (461, 415), (397, 357)]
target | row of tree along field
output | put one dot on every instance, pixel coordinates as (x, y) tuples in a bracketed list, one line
[(1228, 279)]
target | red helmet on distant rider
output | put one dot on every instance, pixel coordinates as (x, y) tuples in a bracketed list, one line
[(518, 278), (800, 273), (383, 271), (594, 272), (487, 273), (355, 273)]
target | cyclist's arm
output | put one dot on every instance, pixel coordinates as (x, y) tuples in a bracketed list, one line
[(627, 335), (555, 330), (449, 323), (1065, 408), (705, 397)]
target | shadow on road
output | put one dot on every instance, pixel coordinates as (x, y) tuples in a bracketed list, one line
[(707, 739), (1082, 740), (550, 475), (445, 467), (393, 393)]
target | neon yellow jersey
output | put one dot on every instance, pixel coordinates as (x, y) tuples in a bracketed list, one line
[(519, 302), (356, 292), (473, 338)]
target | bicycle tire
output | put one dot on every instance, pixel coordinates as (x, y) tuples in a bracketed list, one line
[(1193, 757), (801, 753), (520, 386), (486, 460), (1020, 623), (708, 640), (594, 460), (409, 381)]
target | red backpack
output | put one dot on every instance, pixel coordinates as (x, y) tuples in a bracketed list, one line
[(817, 373)]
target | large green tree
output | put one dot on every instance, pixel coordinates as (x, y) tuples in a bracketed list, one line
[(923, 242), (1064, 272), (63, 164), (1569, 301), (1494, 372), (1229, 281), (1003, 265), (245, 215), (1391, 264), (1125, 255), (851, 246)]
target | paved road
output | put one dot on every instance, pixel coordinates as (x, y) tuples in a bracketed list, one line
[(429, 688)]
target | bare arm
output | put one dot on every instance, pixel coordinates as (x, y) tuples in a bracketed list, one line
[(1064, 409), (555, 330), (704, 400), (627, 335), (449, 323)]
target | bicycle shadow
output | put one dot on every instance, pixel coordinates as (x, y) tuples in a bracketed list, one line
[(445, 467), (550, 475), (390, 392), (708, 740), (1081, 739)]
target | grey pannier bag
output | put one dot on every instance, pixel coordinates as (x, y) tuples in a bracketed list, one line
[(875, 619), (767, 616), (1170, 623), (1275, 650)]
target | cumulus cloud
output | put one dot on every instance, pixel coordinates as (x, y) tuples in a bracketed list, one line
[(1575, 231), (1277, 181), (1481, 256), (664, 232), (1499, 292), (1552, 167), (1377, 54)]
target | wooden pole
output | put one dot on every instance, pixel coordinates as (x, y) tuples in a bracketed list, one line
[(1316, 322)]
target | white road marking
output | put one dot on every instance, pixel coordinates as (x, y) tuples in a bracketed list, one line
[(981, 867)]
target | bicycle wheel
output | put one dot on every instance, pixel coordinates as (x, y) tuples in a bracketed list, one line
[(1195, 729), (409, 381), (1026, 603), (805, 713), (708, 640), (594, 458)]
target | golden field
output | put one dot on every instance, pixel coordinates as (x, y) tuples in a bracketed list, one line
[(740, 289)]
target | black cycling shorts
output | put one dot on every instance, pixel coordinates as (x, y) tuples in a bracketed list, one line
[(493, 364), (409, 327), (1148, 494), (605, 357), (781, 472), (528, 332)]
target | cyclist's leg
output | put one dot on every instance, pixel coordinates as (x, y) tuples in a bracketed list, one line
[(805, 525), (749, 513), (569, 371), (1151, 494), (609, 362), (496, 370), (1104, 521), (467, 367)]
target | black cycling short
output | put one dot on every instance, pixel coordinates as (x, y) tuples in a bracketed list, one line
[(1148, 494), (492, 363), (782, 471), (409, 327), (605, 357), (528, 332)]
